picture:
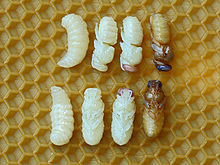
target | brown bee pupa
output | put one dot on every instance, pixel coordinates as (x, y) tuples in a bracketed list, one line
[(153, 116), (160, 35)]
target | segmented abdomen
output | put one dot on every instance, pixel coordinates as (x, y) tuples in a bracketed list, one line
[(132, 31), (61, 117), (160, 28), (152, 127), (78, 40), (107, 31)]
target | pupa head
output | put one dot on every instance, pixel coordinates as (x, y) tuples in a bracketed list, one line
[(154, 84)]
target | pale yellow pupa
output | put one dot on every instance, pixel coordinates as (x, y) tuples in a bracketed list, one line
[(78, 40), (61, 117)]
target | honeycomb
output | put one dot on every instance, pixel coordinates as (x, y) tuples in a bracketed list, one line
[(32, 41)]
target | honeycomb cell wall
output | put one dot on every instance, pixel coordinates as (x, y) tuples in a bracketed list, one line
[(32, 41)]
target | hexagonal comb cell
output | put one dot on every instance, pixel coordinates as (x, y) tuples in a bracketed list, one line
[(181, 147), (29, 159), (16, 29), (44, 154), (45, 11), (15, 46), (31, 20), (32, 40), (14, 154), (16, 11), (4, 38)]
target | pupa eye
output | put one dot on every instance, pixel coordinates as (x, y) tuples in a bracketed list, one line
[(164, 67), (148, 84), (159, 83)]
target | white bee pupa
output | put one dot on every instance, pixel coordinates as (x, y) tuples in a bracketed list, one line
[(92, 116), (132, 36), (106, 36), (123, 116)]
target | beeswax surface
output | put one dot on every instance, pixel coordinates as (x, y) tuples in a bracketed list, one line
[(32, 41)]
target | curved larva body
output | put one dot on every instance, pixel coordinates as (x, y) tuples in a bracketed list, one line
[(160, 35), (123, 116), (153, 116), (160, 28), (132, 36), (78, 40), (61, 117), (106, 35), (92, 116)]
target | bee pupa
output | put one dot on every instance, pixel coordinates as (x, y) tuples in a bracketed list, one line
[(160, 35), (106, 35), (92, 116), (132, 36), (153, 116), (61, 117), (123, 116)]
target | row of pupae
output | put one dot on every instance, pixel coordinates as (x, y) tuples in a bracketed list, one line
[(107, 35), (92, 116), (93, 112)]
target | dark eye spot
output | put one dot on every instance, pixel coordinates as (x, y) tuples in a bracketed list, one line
[(120, 91), (164, 68), (148, 84), (159, 83)]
